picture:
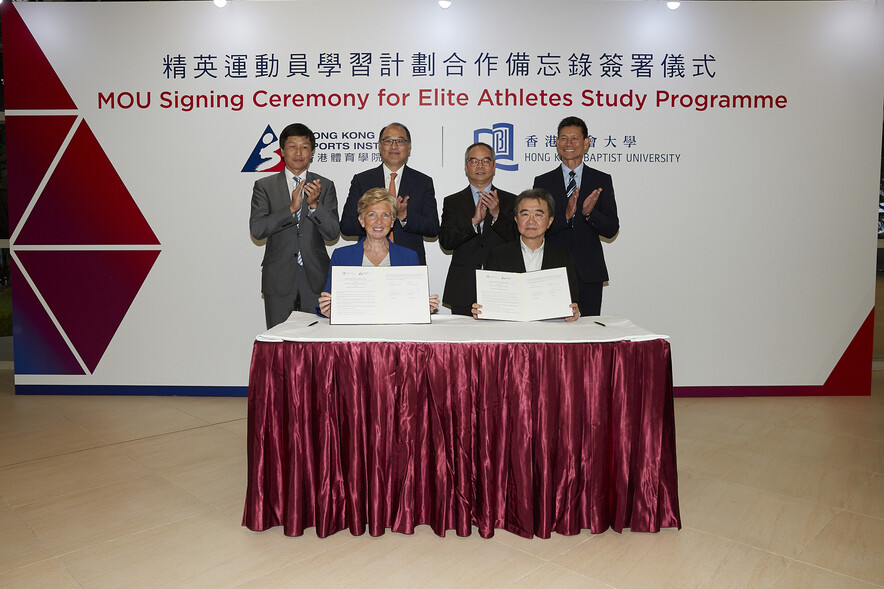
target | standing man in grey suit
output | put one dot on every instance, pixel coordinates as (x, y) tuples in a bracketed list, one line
[(474, 221), (585, 211), (296, 211), (418, 216)]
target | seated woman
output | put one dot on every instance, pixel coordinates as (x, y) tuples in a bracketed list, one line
[(377, 210)]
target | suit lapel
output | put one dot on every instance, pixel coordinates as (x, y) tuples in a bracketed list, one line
[(465, 202), (396, 254), (545, 262), (378, 177), (282, 184), (281, 195), (586, 184), (518, 258), (405, 187)]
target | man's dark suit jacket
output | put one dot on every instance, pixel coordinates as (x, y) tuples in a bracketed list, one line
[(423, 216), (469, 249), (581, 236), (508, 258)]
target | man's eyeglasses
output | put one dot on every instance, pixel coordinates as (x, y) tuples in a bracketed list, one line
[(394, 141), (485, 161)]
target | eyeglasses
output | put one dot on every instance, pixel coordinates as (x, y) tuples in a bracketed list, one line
[(485, 161), (389, 141)]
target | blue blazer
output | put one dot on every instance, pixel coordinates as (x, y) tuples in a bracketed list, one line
[(580, 237), (351, 255)]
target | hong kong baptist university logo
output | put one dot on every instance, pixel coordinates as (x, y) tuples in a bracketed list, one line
[(501, 138)]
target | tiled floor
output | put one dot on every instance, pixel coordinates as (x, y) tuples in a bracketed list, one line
[(148, 492)]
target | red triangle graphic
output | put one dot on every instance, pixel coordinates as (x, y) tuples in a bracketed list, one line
[(89, 292), (852, 374), (39, 347), (30, 82), (32, 143), (85, 202)]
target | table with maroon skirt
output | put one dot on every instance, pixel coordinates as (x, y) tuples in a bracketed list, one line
[(532, 428)]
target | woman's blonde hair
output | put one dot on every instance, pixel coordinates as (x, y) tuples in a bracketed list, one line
[(374, 196)]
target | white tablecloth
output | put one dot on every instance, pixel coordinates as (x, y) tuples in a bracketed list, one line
[(456, 328)]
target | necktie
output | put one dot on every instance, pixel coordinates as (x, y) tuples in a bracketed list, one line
[(481, 224), (572, 186), (297, 181), (392, 189)]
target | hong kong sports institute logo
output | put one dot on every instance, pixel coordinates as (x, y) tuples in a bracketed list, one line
[(265, 156)]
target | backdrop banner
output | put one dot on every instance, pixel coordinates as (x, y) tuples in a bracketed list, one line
[(743, 139)]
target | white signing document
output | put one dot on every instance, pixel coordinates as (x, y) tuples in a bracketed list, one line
[(531, 296), (371, 296)]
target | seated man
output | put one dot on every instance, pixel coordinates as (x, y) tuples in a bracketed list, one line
[(533, 210)]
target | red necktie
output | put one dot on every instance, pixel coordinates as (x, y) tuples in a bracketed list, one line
[(392, 188)]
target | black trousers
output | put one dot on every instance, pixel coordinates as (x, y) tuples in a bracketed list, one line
[(590, 298)]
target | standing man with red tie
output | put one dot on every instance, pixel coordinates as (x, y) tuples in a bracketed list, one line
[(585, 211), (417, 216)]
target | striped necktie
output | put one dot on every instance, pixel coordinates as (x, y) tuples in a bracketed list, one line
[(572, 186), (297, 181)]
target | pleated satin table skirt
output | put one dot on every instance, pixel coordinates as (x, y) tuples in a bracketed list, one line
[(533, 438)]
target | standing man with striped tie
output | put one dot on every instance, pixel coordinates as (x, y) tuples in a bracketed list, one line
[(585, 211), (296, 211), (418, 216), (474, 221)]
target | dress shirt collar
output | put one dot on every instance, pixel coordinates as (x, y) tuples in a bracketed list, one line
[(289, 178), (476, 192), (533, 260), (387, 172), (578, 173)]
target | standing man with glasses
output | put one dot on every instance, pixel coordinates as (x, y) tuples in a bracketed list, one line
[(296, 211), (585, 211), (474, 221), (417, 215)]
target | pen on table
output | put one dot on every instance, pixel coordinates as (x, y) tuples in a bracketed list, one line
[(314, 323), (599, 323)]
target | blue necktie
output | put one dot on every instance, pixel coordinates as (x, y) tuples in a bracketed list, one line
[(572, 186)]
